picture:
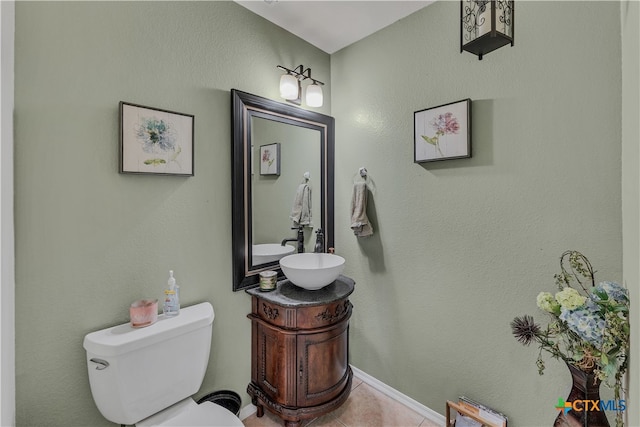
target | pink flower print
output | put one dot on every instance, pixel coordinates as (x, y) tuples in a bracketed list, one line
[(444, 124), (266, 156)]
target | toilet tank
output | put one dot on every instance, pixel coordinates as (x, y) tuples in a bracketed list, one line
[(135, 373)]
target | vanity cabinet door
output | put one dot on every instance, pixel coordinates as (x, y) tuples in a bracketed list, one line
[(275, 365), (323, 364)]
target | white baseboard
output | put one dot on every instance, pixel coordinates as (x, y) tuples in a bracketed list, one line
[(426, 412), (247, 411), (421, 409)]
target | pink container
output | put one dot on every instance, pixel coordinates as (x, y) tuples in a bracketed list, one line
[(143, 312)]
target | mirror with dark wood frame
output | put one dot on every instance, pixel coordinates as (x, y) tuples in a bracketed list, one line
[(276, 148)]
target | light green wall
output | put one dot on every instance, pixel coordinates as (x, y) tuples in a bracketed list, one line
[(460, 247), (463, 246), (630, 18), (89, 240)]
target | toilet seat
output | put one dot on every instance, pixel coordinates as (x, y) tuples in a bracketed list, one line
[(189, 413)]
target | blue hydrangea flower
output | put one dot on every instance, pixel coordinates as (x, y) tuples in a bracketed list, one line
[(586, 322), (615, 291)]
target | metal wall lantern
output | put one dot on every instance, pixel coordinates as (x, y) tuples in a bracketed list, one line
[(486, 25)]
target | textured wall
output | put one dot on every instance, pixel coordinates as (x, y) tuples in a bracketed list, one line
[(460, 248), (630, 17), (463, 246), (89, 240)]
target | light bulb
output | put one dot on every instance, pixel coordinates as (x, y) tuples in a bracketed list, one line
[(314, 95), (288, 87)]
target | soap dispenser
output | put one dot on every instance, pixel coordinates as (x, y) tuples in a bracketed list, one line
[(171, 297)]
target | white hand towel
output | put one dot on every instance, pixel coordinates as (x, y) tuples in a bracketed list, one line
[(359, 221), (301, 210)]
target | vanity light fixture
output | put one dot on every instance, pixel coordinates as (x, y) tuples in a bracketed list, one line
[(486, 25), (291, 86), (314, 95)]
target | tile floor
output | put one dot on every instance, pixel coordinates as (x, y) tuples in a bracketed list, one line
[(365, 407)]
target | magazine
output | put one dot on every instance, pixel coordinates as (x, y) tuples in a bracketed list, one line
[(483, 411)]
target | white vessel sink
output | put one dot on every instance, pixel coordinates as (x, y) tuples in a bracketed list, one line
[(269, 252), (312, 271)]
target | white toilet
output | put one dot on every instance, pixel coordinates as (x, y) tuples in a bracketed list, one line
[(147, 376)]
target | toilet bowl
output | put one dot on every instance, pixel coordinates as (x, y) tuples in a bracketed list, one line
[(146, 376), (189, 413)]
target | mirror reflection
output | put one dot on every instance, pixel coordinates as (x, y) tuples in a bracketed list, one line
[(282, 184), (285, 184)]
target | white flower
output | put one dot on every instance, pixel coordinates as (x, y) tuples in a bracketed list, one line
[(570, 299), (547, 302)]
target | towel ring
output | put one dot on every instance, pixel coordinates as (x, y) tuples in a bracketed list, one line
[(363, 175)]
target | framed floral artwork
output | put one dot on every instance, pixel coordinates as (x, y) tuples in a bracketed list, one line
[(154, 141), (442, 132), (270, 159)]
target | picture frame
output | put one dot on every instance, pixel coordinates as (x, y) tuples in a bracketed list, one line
[(270, 159), (442, 132), (155, 141)]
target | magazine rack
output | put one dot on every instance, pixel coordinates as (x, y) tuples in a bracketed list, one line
[(466, 412)]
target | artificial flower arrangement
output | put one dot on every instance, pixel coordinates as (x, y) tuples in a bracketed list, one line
[(589, 327)]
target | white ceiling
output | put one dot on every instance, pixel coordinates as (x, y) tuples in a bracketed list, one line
[(331, 25)]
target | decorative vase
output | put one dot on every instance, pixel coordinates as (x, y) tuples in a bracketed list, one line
[(586, 386)]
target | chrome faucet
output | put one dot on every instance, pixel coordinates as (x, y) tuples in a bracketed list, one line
[(319, 248), (299, 239)]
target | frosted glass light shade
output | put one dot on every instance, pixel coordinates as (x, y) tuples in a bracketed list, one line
[(288, 87), (314, 95)]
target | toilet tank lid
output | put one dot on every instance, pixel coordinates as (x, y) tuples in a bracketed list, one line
[(124, 338)]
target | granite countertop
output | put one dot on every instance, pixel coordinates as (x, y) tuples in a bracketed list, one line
[(287, 294)]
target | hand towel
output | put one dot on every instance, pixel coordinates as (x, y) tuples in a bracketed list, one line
[(301, 210), (359, 222)]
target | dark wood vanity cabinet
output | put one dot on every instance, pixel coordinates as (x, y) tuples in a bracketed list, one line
[(300, 350)]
